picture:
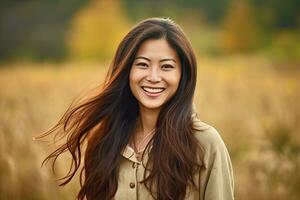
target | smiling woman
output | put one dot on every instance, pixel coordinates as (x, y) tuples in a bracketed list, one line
[(144, 139), (154, 79)]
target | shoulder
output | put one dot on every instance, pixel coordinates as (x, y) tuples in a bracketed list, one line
[(210, 142), (216, 173), (207, 135)]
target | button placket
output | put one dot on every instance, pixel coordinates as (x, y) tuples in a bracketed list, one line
[(133, 184), (132, 176), (135, 166)]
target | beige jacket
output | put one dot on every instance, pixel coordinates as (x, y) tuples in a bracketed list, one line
[(215, 178)]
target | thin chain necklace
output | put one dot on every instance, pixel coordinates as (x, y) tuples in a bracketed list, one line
[(138, 147)]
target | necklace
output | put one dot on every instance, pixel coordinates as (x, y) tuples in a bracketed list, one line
[(139, 147)]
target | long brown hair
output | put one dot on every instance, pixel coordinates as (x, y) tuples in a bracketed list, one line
[(106, 121)]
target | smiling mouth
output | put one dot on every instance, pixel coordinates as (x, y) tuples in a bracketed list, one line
[(153, 90)]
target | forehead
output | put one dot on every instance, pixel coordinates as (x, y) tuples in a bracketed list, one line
[(157, 48)]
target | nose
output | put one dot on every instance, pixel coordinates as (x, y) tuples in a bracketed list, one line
[(153, 75)]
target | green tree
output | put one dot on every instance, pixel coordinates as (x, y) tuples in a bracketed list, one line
[(35, 30)]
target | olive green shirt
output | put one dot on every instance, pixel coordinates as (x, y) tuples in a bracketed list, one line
[(215, 177)]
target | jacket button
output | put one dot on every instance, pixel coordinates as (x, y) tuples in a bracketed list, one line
[(131, 185)]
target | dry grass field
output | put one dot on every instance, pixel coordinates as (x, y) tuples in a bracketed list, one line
[(252, 102)]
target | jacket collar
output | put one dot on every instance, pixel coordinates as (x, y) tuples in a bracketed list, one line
[(130, 154)]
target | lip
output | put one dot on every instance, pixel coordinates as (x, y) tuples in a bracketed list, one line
[(153, 94)]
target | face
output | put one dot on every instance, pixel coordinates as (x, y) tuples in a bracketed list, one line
[(155, 74)]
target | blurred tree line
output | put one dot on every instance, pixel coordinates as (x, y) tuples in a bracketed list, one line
[(77, 29), (35, 30)]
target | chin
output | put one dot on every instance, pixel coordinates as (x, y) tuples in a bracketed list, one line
[(152, 106)]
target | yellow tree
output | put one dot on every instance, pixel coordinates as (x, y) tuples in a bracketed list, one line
[(96, 29), (239, 29)]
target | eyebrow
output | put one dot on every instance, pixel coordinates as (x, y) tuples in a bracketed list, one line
[(162, 60)]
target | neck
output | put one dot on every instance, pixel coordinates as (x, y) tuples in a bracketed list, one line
[(147, 120)]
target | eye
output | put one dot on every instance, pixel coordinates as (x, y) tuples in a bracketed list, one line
[(142, 65), (167, 67)]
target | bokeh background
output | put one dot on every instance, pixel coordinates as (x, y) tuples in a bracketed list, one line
[(248, 52)]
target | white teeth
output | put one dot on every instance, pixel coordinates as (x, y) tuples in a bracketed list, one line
[(153, 90)]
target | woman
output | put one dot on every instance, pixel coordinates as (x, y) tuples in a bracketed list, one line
[(143, 139)]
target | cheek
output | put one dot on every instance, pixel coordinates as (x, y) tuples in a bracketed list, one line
[(134, 79), (174, 80)]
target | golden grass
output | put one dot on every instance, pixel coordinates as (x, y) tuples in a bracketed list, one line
[(254, 106)]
